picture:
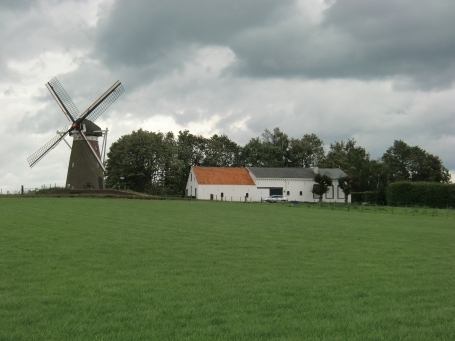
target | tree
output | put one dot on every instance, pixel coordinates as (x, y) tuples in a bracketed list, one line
[(346, 183), (138, 161), (352, 159), (406, 163), (307, 151), (269, 150), (221, 151), (323, 182)]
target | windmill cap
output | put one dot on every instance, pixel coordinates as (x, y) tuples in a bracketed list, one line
[(91, 128)]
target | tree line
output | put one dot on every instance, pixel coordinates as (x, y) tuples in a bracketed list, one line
[(159, 163)]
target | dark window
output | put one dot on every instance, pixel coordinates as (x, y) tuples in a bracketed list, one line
[(222, 194), (300, 192), (276, 191), (330, 193), (340, 193), (288, 192), (246, 195)]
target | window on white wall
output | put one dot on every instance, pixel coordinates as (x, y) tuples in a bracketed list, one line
[(340, 193), (330, 193)]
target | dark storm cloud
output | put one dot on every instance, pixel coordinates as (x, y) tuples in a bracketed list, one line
[(363, 40), (141, 32), (359, 40), (408, 38), (16, 4)]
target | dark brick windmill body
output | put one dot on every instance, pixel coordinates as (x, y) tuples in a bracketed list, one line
[(85, 168), (82, 171)]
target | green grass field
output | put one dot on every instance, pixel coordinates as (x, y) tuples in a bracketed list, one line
[(105, 269)]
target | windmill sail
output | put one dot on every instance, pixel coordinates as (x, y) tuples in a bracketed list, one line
[(102, 103), (63, 99), (40, 153), (88, 147), (92, 159)]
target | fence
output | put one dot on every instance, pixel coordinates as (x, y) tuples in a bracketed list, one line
[(447, 212), (29, 190)]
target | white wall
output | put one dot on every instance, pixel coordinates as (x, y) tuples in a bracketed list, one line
[(293, 186), (335, 194), (191, 184), (230, 192)]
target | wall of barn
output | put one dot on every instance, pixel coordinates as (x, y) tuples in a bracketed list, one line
[(227, 192)]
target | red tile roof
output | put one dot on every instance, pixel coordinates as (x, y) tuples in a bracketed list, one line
[(222, 176)]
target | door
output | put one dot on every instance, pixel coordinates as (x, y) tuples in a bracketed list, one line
[(276, 191)]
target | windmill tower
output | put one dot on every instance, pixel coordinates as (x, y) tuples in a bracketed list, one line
[(85, 168)]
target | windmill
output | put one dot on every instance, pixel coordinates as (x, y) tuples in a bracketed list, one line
[(85, 168)]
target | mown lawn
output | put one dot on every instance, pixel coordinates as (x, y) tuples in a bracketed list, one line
[(106, 269)]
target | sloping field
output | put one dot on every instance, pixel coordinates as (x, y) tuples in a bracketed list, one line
[(101, 269)]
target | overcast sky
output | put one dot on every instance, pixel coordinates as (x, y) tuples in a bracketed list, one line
[(376, 71)]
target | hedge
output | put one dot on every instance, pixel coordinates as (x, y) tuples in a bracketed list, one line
[(432, 194), (372, 197), (368, 196)]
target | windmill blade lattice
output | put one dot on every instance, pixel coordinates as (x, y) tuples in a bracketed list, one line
[(40, 153), (100, 105), (63, 99)]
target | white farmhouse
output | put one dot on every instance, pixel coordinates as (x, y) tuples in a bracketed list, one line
[(258, 183)]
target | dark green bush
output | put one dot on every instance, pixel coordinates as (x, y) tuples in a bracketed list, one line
[(432, 194), (368, 196)]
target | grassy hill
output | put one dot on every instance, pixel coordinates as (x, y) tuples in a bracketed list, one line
[(102, 269)]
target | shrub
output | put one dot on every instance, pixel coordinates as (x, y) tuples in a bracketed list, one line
[(421, 193), (368, 196)]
